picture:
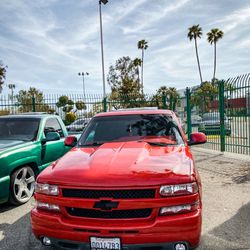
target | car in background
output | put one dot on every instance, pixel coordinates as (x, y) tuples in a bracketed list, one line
[(196, 120), (78, 125), (210, 124)]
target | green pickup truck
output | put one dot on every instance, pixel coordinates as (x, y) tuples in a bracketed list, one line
[(28, 144)]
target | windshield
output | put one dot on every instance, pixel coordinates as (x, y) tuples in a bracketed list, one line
[(131, 127), (24, 129)]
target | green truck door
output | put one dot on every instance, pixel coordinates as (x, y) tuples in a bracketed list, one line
[(52, 150)]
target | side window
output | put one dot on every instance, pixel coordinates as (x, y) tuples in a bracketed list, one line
[(52, 125)]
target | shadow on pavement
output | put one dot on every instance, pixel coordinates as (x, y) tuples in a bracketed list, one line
[(237, 228), (233, 234), (6, 207), (242, 178), (19, 236)]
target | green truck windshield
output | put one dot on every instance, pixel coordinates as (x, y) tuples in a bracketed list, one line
[(24, 129)]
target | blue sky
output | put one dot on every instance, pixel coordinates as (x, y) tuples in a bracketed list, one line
[(45, 43)]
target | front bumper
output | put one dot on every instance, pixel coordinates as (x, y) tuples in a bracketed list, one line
[(66, 244), (163, 232)]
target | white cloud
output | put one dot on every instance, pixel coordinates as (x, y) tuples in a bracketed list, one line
[(45, 43)]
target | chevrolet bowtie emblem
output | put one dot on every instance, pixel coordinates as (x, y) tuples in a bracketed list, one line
[(106, 205)]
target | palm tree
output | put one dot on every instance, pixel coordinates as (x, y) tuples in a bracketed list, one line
[(2, 75), (213, 37), (137, 64), (143, 45), (195, 32)]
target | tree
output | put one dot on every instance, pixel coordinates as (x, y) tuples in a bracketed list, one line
[(213, 37), (171, 94), (70, 108), (70, 117), (138, 63), (204, 95), (123, 80), (4, 112), (143, 45), (27, 100), (65, 103), (2, 75), (195, 32), (80, 105)]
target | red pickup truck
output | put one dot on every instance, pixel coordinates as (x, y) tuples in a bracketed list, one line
[(129, 183)]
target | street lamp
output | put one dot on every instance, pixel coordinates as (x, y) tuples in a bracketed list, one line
[(83, 83), (103, 73), (12, 87)]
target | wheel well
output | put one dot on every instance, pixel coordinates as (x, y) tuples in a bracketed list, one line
[(33, 165)]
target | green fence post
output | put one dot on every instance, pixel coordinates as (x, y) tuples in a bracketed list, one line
[(189, 123), (33, 104), (105, 104), (174, 104), (171, 102), (222, 115), (164, 101)]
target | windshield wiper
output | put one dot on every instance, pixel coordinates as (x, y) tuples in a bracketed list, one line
[(161, 144)]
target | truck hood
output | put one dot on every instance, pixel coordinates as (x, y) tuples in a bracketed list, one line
[(121, 164), (4, 144)]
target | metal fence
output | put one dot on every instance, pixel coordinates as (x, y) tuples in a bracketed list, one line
[(80, 105), (224, 111), (221, 110)]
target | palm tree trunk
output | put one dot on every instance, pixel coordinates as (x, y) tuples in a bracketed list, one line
[(142, 58), (214, 60), (138, 74), (198, 61)]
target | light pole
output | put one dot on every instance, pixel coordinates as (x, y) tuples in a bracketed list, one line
[(83, 83), (103, 73), (12, 87)]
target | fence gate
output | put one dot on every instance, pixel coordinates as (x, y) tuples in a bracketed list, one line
[(222, 111)]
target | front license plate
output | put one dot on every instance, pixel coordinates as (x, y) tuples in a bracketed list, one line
[(97, 243)]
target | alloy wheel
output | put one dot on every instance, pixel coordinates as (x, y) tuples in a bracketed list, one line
[(23, 186)]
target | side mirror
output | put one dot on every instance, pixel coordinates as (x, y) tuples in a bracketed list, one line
[(197, 138), (70, 141), (52, 136)]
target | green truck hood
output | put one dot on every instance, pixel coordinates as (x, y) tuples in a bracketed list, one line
[(4, 144)]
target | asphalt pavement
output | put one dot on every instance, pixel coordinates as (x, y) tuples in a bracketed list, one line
[(226, 207)]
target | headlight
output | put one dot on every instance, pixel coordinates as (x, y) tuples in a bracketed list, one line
[(46, 189), (179, 209), (47, 206), (180, 189)]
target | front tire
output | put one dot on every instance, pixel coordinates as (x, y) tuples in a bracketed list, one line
[(22, 185)]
